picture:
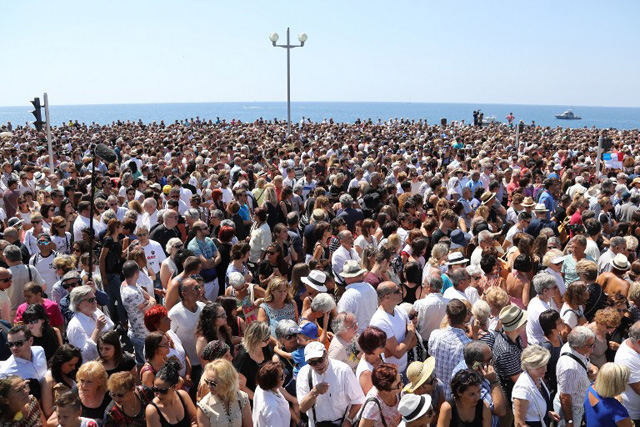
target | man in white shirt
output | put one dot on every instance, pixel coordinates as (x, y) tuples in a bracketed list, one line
[(153, 251), (27, 361), (524, 219), (544, 285), (461, 280), (43, 261), (19, 274), (628, 354), (150, 215), (594, 228), (82, 221), (485, 241), (184, 319), (342, 254), (360, 298), (401, 334), (432, 308), (327, 389)]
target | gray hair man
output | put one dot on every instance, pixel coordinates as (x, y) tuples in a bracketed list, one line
[(350, 214), (20, 275), (343, 345), (545, 286), (479, 357), (359, 298), (342, 254), (461, 281), (432, 308), (617, 245), (574, 373), (485, 241)]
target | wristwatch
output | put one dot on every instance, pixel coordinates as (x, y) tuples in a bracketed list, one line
[(570, 422)]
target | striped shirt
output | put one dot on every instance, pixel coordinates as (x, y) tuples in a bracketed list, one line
[(506, 360)]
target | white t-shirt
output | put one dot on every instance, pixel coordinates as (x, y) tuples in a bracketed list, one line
[(155, 255), (535, 334), (270, 409), (361, 241), (395, 327), (525, 389), (183, 323), (361, 300), (453, 293), (630, 399), (45, 268)]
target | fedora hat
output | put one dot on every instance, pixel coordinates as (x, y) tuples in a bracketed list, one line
[(351, 268), (635, 181), (512, 317), (316, 279), (456, 258), (540, 207), (413, 406), (418, 373), (528, 202), (486, 197), (620, 262), (459, 239)]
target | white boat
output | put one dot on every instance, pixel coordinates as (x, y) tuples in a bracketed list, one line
[(568, 115)]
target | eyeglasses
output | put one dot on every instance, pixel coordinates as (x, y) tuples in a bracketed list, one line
[(159, 390), (7, 280), (89, 300), (36, 222), (32, 321), (211, 383), (271, 253), (288, 337), (18, 343), (315, 362), (398, 291), (413, 316), (118, 395)]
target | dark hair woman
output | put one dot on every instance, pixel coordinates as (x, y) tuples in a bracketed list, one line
[(44, 335), (236, 323), (170, 406), (156, 349), (372, 342), (212, 325), (61, 375), (272, 265), (111, 260), (225, 235), (466, 408), (111, 355)]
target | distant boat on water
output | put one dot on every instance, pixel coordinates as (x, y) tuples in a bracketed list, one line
[(568, 115)]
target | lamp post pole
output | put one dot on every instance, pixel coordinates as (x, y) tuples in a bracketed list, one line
[(302, 38)]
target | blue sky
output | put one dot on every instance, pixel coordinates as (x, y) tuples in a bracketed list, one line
[(137, 51)]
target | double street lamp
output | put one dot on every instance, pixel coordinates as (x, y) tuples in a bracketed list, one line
[(302, 38)]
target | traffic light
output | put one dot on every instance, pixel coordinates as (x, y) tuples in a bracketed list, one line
[(37, 113)]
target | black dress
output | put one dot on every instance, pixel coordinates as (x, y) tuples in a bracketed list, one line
[(248, 367)]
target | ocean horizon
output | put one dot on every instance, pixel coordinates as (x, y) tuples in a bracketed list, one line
[(349, 112)]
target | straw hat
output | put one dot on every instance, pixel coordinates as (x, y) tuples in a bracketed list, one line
[(528, 202), (512, 317), (620, 262), (487, 197), (351, 268), (418, 373)]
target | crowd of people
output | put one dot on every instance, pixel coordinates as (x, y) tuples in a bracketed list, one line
[(369, 274)]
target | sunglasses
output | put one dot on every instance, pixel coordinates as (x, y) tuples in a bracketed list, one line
[(7, 280), (32, 321), (36, 222), (211, 383), (18, 343), (315, 362), (159, 390), (431, 380), (271, 252), (118, 395), (178, 246), (71, 284), (413, 316), (396, 292), (90, 300)]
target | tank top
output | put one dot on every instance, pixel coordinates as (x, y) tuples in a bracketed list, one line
[(411, 294), (184, 422), (276, 315), (455, 417)]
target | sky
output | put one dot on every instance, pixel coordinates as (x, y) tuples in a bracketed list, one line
[(524, 52)]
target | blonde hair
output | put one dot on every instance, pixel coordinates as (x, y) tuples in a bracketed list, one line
[(546, 260), (395, 241), (270, 194), (612, 379), (439, 251), (96, 372), (634, 293), (534, 356), (226, 376), (497, 296), (277, 283), (255, 334)]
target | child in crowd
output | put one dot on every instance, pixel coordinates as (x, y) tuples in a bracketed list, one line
[(69, 411), (306, 332)]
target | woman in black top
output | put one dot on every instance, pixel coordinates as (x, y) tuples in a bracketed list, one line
[(466, 409), (237, 324), (170, 406), (273, 263), (412, 289), (252, 354), (111, 260), (224, 245), (212, 325), (111, 355), (44, 335)]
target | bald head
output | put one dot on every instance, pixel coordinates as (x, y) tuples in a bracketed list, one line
[(4, 275), (11, 234)]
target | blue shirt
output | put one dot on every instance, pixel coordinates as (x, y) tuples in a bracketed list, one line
[(547, 199), (606, 413), (298, 360), (244, 212)]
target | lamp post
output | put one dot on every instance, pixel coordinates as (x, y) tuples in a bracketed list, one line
[(302, 38)]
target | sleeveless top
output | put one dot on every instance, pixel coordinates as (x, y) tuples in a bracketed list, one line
[(218, 416), (147, 368), (276, 315), (249, 312), (184, 422), (455, 417), (411, 294)]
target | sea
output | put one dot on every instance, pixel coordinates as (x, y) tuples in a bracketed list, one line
[(344, 112)]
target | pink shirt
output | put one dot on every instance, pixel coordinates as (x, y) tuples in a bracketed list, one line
[(52, 309)]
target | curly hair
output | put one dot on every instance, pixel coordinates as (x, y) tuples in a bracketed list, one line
[(463, 380), (384, 375), (269, 375), (153, 316), (206, 323), (608, 316)]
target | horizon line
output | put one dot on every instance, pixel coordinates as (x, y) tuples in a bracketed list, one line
[(330, 102)]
